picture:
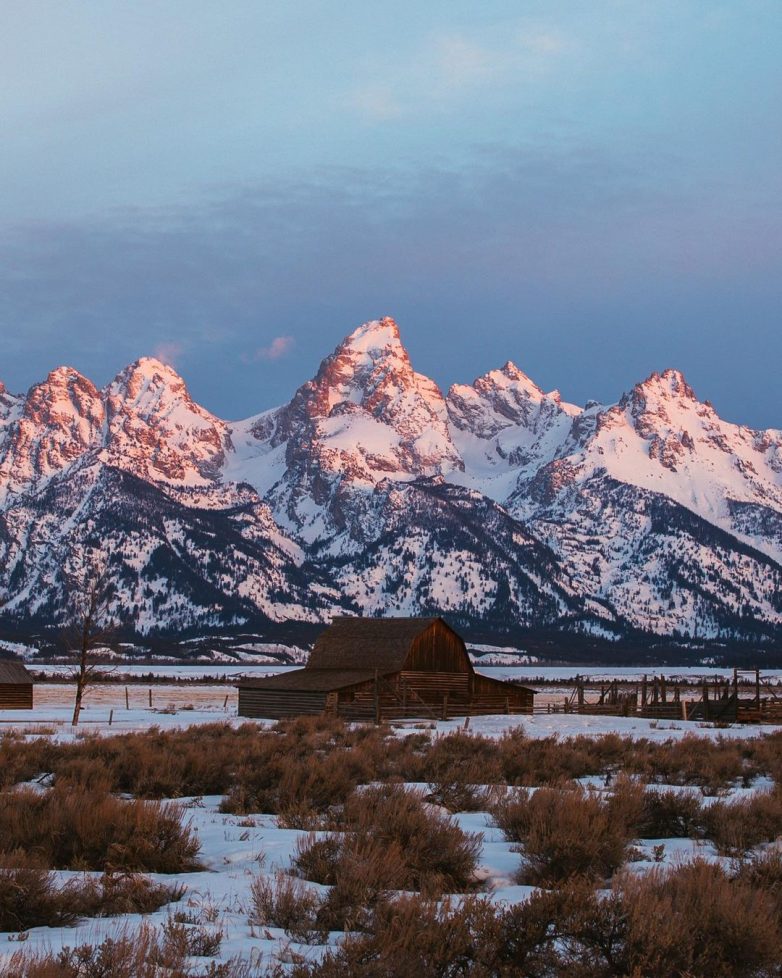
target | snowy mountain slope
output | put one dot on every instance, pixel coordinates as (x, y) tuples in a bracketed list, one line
[(188, 566), (445, 549), (154, 429), (365, 418), (372, 492), (523, 448)]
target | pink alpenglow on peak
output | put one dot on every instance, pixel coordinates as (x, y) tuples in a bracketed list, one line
[(499, 502), (154, 427)]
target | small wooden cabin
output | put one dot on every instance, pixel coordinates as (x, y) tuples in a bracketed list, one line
[(16, 686), (382, 669)]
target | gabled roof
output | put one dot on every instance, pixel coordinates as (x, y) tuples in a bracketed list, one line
[(310, 680), (14, 673), (361, 643)]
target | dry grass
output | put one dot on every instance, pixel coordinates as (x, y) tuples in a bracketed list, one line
[(142, 953), (248, 764), (287, 902)]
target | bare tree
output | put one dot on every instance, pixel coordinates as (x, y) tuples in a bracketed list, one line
[(92, 627)]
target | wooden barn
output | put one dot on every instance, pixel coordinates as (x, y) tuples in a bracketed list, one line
[(16, 686), (382, 669)]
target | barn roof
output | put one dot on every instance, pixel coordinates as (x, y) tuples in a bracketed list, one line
[(355, 643), (14, 673), (310, 680)]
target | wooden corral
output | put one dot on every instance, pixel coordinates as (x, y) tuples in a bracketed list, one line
[(374, 669), (746, 698), (16, 686)]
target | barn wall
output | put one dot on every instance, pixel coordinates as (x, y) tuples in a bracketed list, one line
[(16, 696), (438, 650), (273, 704), (432, 695)]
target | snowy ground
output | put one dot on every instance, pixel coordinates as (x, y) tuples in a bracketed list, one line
[(176, 706), (235, 848)]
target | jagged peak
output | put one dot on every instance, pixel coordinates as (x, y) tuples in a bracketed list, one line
[(509, 377), (670, 382), (376, 334), (148, 369), (62, 376)]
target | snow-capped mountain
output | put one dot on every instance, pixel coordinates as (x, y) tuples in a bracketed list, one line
[(371, 491)]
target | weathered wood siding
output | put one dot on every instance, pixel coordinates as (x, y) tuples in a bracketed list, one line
[(16, 696), (432, 695), (273, 704), (438, 650), (494, 696)]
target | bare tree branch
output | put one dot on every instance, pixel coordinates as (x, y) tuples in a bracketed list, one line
[(92, 626)]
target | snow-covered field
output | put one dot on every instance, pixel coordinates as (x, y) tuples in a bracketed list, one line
[(236, 848), (183, 705), (522, 673)]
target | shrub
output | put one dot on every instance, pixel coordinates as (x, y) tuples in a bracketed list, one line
[(414, 936), (142, 953), (32, 897), (564, 834), (389, 840), (763, 872), (284, 901), (75, 828), (458, 767), (695, 920), (737, 826), (670, 814)]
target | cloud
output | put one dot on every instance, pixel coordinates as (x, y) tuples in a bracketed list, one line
[(542, 249), (446, 66), (279, 347), (375, 102), (169, 352)]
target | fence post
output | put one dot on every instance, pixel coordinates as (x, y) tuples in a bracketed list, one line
[(150, 698), (111, 716), (127, 699)]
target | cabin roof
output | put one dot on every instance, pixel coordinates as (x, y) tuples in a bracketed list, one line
[(355, 643), (310, 680), (14, 673)]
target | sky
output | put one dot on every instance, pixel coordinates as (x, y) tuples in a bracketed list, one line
[(592, 190)]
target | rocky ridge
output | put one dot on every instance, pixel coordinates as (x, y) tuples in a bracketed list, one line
[(372, 492)]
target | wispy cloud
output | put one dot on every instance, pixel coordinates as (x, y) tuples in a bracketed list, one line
[(169, 352), (448, 65), (279, 347), (375, 102)]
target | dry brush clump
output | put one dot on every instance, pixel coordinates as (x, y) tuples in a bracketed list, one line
[(693, 921), (287, 902), (71, 827), (386, 838), (564, 834), (737, 826), (460, 769), (145, 952), (32, 897)]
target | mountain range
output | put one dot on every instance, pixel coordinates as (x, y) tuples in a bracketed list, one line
[(372, 492)]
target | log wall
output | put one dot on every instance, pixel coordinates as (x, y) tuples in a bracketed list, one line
[(274, 704), (16, 696)]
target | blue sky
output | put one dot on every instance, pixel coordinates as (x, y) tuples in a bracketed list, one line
[(590, 189)]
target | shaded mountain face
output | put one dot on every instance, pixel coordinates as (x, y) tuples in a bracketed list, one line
[(372, 492)]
